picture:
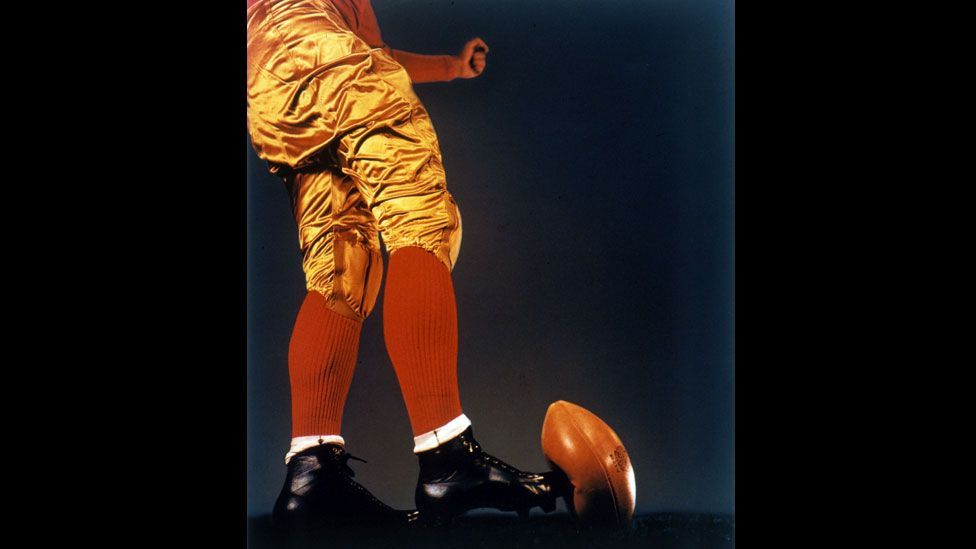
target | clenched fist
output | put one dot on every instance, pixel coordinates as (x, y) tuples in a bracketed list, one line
[(472, 58)]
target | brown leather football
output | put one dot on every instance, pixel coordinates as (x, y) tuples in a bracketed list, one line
[(591, 455)]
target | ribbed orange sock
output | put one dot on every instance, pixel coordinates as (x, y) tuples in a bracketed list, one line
[(321, 360), (420, 328)]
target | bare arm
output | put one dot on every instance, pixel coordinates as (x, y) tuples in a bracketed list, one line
[(468, 63)]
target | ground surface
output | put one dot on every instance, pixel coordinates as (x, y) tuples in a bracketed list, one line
[(663, 530)]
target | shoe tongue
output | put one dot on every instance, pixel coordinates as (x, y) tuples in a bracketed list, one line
[(329, 450), (467, 436), (324, 453)]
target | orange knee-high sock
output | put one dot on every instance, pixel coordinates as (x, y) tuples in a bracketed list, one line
[(321, 360), (420, 328)]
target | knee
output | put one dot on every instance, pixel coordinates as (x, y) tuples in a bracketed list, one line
[(454, 238), (348, 272), (432, 222)]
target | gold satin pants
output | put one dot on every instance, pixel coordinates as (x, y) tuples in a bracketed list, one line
[(340, 123)]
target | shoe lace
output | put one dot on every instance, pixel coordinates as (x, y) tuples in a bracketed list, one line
[(475, 448), (345, 457)]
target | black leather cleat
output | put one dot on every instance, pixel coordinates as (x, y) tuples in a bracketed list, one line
[(458, 476), (319, 491)]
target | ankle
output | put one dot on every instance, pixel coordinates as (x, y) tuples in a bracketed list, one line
[(451, 455), (436, 437)]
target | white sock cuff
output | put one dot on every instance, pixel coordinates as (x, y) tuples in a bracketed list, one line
[(304, 443), (440, 435)]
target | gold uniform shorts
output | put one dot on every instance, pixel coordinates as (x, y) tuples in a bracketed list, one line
[(339, 121)]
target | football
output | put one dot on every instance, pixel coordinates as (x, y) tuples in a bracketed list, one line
[(591, 455)]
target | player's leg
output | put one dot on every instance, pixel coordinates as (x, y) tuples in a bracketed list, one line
[(397, 164), (404, 183), (343, 271), (303, 71)]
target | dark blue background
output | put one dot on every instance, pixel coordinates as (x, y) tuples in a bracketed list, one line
[(593, 165)]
